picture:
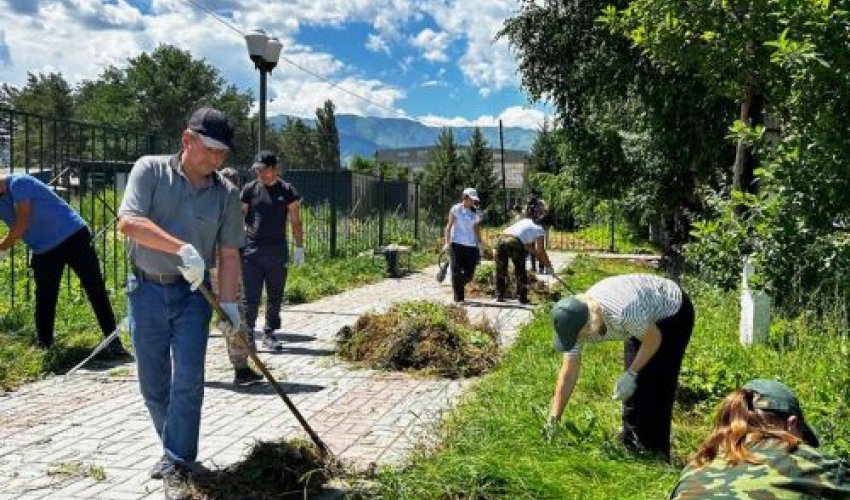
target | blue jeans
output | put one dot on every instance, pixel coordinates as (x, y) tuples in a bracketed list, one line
[(169, 326)]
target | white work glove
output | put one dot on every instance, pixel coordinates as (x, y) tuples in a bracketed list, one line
[(232, 311), (625, 386), (550, 427), (298, 256), (3, 255), (193, 266)]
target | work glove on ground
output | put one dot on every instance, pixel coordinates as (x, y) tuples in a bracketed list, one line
[(298, 256), (193, 266), (230, 328), (625, 386)]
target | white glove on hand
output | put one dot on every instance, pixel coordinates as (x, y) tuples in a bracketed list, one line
[(625, 386), (298, 256), (232, 327), (550, 428), (193, 266), (3, 255)]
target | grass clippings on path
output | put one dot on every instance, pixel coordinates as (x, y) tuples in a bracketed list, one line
[(424, 336), (272, 470)]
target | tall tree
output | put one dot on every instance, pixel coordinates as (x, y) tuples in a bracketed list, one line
[(442, 180), (46, 94), (169, 84), (543, 156), (298, 146), (327, 136), (478, 170)]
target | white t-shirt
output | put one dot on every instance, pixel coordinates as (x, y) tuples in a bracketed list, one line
[(463, 231), (526, 230), (631, 302)]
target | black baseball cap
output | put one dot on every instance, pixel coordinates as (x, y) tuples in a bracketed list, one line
[(776, 397), (264, 159), (213, 127)]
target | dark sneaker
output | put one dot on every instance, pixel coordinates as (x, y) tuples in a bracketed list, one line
[(175, 483), (271, 343), (114, 352), (159, 467), (524, 300), (245, 375)]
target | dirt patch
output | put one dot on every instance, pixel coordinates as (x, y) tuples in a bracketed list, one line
[(424, 336), (272, 470), (483, 285)]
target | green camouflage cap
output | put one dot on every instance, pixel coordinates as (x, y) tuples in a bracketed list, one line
[(775, 396), (569, 315)]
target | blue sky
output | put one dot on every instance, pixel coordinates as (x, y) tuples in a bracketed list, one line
[(430, 60)]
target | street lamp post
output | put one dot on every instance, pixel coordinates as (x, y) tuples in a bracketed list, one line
[(264, 51)]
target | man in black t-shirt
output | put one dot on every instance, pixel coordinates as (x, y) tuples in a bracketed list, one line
[(268, 202)]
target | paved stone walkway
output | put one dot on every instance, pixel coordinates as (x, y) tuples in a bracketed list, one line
[(56, 434)]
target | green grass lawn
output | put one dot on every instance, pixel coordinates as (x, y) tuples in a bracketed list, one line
[(492, 445), (77, 332)]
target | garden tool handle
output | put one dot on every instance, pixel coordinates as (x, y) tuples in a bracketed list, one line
[(214, 303)]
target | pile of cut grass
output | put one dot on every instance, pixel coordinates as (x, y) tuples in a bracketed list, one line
[(429, 337), (272, 470)]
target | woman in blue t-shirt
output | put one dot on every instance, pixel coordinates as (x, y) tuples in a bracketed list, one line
[(463, 238), (57, 236)]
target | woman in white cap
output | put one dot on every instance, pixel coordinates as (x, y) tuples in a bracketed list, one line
[(463, 240), (655, 319)]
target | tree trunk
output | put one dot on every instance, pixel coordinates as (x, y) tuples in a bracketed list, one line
[(752, 114)]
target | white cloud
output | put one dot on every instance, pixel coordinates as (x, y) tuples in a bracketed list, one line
[(486, 62), (377, 44), (433, 44), (514, 116), (302, 97)]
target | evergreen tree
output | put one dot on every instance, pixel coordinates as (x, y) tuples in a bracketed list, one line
[(478, 170), (442, 181), (543, 156), (298, 146), (327, 136)]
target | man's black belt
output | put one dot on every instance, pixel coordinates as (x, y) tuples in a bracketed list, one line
[(162, 279)]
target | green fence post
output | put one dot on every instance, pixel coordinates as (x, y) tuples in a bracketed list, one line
[(416, 215), (611, 225), (381, 202), (333, 208)]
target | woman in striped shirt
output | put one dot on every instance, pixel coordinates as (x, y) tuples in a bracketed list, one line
[(655, 318)]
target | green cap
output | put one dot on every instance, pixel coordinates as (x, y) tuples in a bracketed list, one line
[(775, 396), (569, 315)]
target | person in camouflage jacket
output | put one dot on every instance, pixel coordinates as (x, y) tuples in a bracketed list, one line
[(762, 448)]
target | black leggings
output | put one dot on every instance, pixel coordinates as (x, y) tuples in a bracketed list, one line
[(648, 413), (76, 251), (464, 260)]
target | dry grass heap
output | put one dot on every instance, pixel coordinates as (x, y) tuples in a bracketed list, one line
[(271, 471), (425, 336)]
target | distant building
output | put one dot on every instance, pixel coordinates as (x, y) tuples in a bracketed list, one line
[(417, 159)]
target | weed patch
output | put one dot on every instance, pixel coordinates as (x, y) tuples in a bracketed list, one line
[(424, 336), (483, 285)]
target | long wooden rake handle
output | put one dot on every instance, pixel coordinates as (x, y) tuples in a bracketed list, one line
[(323, 449)]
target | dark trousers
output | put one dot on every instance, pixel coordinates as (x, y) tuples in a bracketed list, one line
[(264, 266), (464, 259), (648, 413), (78, 253), (510, 248)]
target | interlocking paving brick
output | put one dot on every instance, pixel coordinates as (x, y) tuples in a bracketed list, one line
[(364, 415)]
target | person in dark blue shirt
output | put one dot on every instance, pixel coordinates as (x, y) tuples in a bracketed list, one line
[(57, 236)]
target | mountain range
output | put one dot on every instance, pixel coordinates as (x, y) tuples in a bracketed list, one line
[(363, 135)]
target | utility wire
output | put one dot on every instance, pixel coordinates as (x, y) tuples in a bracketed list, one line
[(296, 65)]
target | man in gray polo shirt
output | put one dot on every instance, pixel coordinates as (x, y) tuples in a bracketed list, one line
[(178, 215)]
